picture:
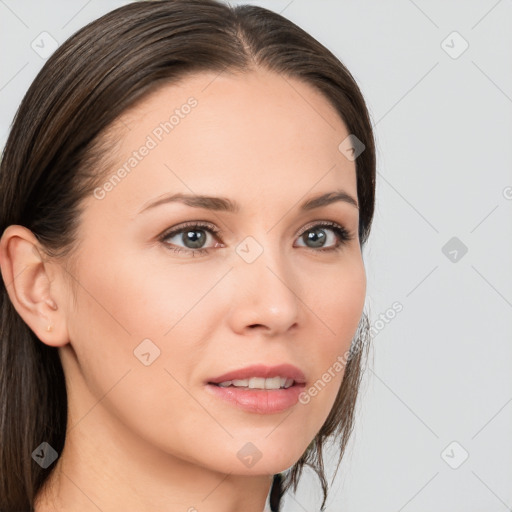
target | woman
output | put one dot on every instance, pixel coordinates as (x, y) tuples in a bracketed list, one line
[(187, 189)]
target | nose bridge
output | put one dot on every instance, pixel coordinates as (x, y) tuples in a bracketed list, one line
[(265, 283), (263, 262)]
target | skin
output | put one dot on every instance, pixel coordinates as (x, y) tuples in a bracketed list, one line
[(150, 437)]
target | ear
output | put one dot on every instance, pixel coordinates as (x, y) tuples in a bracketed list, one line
[(28, 280)]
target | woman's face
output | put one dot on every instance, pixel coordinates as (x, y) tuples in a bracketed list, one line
[(159, 317)]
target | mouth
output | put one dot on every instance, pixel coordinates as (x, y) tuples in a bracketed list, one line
[(259, 389), (260, 376), (257, 383)]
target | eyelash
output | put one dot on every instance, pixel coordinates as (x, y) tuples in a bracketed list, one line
[(343, 235)]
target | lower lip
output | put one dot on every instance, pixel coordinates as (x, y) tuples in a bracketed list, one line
[(261, 401)]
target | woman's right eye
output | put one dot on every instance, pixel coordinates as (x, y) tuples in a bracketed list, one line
[(190, 233)]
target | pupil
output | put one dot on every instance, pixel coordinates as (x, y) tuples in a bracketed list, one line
[(192, 238), (317, 240)]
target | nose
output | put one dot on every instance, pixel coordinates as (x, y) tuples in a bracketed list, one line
[(264, 295)]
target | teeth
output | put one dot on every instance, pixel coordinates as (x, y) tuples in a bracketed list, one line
[(289, 383), (259, 383)]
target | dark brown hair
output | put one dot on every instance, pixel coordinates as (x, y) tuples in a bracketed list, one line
[(57, 149)]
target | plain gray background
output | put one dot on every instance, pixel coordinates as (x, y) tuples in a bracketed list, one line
[(434, 424)]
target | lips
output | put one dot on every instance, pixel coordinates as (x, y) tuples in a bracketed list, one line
[(260, 370), (257, 400)]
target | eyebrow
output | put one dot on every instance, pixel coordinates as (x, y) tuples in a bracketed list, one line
[(223, 204)]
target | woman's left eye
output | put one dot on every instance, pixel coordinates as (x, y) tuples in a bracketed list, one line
[(193, 236)]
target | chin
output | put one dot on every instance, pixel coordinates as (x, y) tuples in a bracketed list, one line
[(250, 458), (268, 457)]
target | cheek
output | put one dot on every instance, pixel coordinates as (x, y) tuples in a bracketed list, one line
[(335, 298), (337, 303), (133, 311), (132, 297), (127, 306), (118, 307)]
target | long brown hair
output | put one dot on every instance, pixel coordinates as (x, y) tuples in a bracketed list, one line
[(56, 151)]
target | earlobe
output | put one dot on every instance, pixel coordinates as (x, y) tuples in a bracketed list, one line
[(29, 285)]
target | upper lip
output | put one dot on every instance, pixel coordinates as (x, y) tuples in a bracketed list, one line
[(260, 370)]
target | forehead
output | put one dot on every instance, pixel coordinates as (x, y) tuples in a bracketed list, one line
[(228, 132)]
